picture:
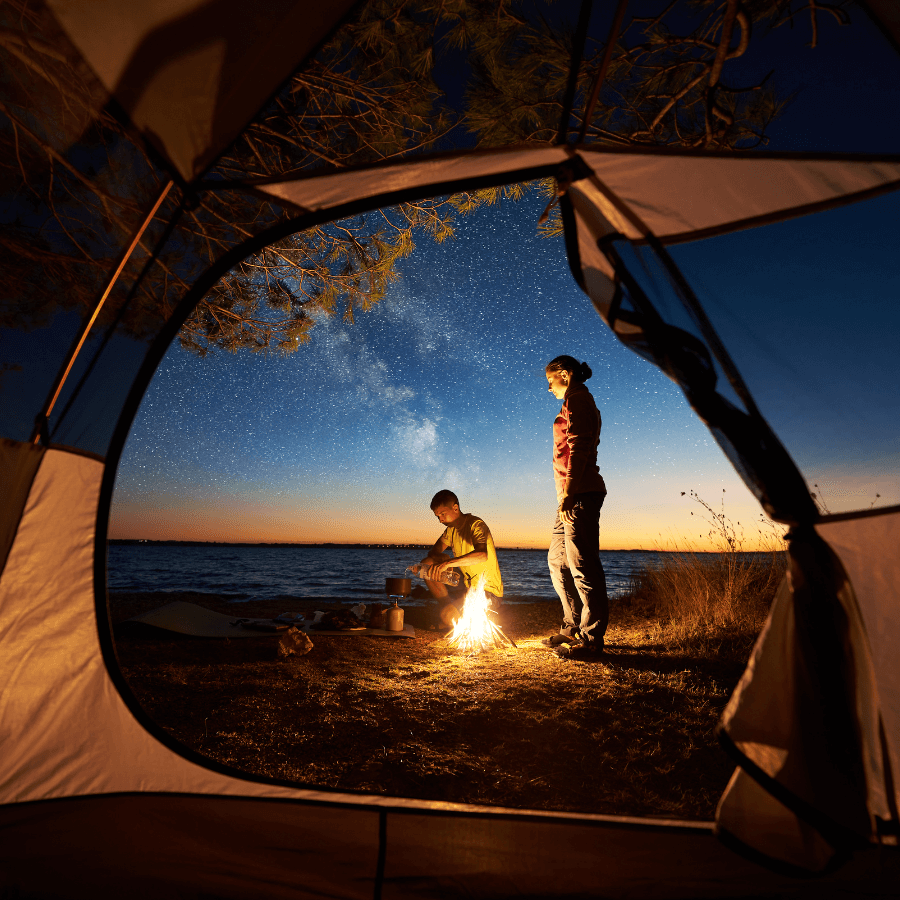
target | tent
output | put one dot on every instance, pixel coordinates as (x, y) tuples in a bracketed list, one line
[(95, 799)]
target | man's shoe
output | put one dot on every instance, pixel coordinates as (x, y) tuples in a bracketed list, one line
[(557, 640), (581, 652)]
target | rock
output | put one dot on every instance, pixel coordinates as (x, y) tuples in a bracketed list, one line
[(294, 643), (339, 620)]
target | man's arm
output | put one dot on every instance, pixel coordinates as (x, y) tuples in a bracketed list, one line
[(435, 553), (476, 557)]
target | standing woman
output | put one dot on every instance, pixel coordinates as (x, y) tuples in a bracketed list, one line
[(574, 558)]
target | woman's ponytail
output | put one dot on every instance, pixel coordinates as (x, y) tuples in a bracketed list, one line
[(581, 371)]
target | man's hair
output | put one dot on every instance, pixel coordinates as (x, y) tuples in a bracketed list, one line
[(444, 498)]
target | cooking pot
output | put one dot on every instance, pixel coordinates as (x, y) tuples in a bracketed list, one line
[(397, 587)]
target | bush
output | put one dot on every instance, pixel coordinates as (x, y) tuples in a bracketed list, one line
[(701, 599)]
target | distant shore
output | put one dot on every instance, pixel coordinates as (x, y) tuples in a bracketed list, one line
[(134, 542)]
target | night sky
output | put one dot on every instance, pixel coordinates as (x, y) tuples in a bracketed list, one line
[(442, 384)]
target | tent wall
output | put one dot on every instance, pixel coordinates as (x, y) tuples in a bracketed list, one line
[(675, 195), (95, 801), (64, 727), (869, 549), (813, 722)]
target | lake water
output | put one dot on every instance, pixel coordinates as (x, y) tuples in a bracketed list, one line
[(358, 573)]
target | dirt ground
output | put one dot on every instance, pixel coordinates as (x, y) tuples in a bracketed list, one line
[(630, 734)]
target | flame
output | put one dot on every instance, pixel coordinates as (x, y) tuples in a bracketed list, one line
[(474, 631)]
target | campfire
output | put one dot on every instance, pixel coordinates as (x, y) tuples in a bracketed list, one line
[(474, 631)]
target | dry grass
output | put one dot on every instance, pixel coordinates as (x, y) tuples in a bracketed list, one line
[(700, 600)]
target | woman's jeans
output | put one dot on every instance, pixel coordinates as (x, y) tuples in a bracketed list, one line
[(576, 570)]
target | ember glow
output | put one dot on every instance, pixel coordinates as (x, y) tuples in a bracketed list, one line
[(474, 631)]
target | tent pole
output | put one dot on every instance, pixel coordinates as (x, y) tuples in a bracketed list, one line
[(698, 313), (584, 18), (40, 422), (604, 68)]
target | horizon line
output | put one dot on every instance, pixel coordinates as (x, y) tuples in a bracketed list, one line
[(373, 545)]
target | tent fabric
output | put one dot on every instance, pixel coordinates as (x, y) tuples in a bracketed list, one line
[(56, 536), (807, 721), (180, 845), (675, 195), (18, 466), (320, 192), (857, 540), (56, 680), (750, 818), (814, 723), (680, 196), (190, 74)]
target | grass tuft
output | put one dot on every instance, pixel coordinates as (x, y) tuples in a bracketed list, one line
[(704, 602)]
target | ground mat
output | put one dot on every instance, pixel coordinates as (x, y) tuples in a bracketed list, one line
[(188, 618), (408, 631)]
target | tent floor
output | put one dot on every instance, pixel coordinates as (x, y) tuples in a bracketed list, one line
[(173, 845)]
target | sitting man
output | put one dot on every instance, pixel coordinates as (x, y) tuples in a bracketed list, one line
[(473, 553)]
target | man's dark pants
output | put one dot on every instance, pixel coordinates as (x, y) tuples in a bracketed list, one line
[(577, 573)]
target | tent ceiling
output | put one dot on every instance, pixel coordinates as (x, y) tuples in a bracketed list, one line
[(676, 196), (192, 73)]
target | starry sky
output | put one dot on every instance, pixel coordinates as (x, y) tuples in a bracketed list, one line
[(440, 386)]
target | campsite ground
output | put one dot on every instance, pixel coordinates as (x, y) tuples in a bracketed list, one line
[(632, 734)]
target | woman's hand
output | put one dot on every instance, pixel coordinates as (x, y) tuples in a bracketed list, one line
[(567, 509)]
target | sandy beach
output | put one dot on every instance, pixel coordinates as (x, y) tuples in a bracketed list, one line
[(630, 734)]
